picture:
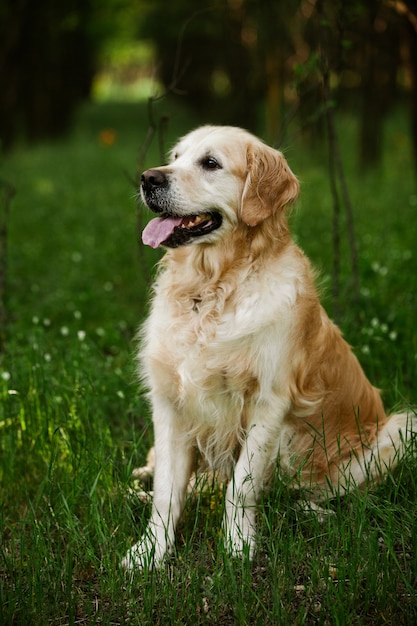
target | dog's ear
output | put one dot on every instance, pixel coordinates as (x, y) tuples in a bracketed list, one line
[(269, 185)]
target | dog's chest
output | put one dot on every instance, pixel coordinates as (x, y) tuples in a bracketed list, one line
[(199, 351), (201, 339), (210, 354)]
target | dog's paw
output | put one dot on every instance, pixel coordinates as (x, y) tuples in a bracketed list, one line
[(322, 514), (143, 474), (144, 555), (239, 532), (138, 558), (239, 544)]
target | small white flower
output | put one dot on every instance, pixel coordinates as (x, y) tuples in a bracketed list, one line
[(120, 394), (64, 331), (366, 349), (5, 375), (81, 335), (77, 315), (393, 335), (47, 357), (46, 321), (35, 319)]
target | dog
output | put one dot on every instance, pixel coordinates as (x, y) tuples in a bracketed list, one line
[(241, 362)]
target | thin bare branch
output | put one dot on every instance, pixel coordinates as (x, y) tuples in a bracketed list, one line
[(160, 128)]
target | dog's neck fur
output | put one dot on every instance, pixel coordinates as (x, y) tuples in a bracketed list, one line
[(202, 279), (217, 263)]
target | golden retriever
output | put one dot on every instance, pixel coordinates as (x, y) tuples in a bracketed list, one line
[(241, 361)]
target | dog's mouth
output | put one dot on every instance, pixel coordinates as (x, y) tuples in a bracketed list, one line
[(172, 231)]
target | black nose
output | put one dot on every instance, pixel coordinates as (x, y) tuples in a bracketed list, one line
[(152, 179)]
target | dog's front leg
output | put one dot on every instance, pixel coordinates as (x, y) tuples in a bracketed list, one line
[(258, 452), (173, 464)]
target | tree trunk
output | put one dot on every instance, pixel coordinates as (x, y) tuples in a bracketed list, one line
[(380, 64), (46, 66), (412, 38)]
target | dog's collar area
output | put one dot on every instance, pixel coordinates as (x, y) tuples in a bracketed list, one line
[(173, 231)]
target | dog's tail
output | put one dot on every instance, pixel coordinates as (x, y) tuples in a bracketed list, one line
[(396, 437)]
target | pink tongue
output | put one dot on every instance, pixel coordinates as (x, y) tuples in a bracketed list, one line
[(159, 229)]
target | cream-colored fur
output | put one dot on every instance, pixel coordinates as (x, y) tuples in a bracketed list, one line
[(241, 361)]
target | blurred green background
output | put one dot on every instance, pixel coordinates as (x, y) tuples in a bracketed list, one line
[(255, 63), (91, 93)]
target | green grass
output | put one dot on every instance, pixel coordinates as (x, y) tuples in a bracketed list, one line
[(73, 423)]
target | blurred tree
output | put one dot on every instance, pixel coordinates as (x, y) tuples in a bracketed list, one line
[(379, 40), (46, 65), (229, 58), (364, 45), (48, 58), (278, 28), (412, 35), (206, 54), (252, 63), (234, 57), (408, 10), (375, 63)]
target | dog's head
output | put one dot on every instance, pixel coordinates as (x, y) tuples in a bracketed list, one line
[(218, 177)]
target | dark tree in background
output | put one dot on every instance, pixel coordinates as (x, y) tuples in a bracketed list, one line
[(47, 64), (240, 61), (204, 52), (408, 9), (380, 38), (252, 63), (228, 58), (362, 43)]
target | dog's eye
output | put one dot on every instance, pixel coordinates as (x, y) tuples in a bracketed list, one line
[(210, 163)]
